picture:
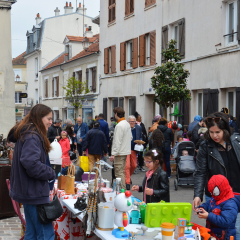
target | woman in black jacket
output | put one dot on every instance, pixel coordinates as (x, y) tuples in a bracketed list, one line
[(169, 137), (155, 186), (157, 141), (218, 154)]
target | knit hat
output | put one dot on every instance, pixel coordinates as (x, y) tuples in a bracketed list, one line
[(220, 189), (157, 118)]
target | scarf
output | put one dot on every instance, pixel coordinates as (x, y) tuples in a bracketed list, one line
[(121, 119)]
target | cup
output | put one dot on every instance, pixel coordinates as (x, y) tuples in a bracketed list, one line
[(167, 231)]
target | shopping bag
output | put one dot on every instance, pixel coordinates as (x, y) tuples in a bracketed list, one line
[(62, 182), (84, 163), (69, 187)]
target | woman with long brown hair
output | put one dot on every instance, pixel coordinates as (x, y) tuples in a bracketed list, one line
[(157, 140), (31, 172)]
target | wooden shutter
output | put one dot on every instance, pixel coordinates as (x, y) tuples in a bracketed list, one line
[(135, 53), (238, 25), (106, 61), (109, 15), (152, 48), (149, 2), (127, 7), (164, 39), (121, 102), (122, 56), (113, 13), (94, 78), (142, 50), (105, 108), (53, 87), (184, 111), (113, 59), (205, 102), (115, 102), (87, 76), (73, 89), (181, 25), (57, 83), (79, 74), (213, 100), (238, 107), (46, 88), (131, 6)]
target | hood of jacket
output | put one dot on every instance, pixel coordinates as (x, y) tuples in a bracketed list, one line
[(197, 118), (163, 128)]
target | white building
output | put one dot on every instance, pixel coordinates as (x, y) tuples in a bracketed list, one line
[(7, 104), (136, 31), (45, 42)]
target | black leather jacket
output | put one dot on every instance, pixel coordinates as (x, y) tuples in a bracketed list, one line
[(209, 162), (160, 184)]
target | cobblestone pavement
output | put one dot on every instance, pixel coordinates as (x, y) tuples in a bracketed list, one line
[(10, 228)]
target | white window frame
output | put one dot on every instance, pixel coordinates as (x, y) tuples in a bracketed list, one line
[(129, 54), (198, 103), (234, 100), (227, 43), (18, 98), (147, 49)]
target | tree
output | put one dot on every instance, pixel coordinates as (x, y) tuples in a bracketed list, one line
[(170, 79), (74, 92)]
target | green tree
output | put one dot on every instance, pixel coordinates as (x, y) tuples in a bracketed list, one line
[(74, 92), (170, 79)]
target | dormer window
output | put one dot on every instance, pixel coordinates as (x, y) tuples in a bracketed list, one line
[(68, 52)]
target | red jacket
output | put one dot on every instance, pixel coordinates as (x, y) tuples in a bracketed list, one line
[(65, 145)]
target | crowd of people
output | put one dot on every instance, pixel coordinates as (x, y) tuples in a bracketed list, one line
[(130, 147)]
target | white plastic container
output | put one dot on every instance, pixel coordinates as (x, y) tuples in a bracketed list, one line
[(106, 213), (55, 155)]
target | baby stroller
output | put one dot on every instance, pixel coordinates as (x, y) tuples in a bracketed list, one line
[(185, 165)]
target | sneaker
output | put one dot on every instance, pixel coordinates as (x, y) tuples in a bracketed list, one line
[(136, 171), (142, 169), (128, 186)]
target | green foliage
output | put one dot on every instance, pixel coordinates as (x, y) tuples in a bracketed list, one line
[(170, 79), (74, 89)]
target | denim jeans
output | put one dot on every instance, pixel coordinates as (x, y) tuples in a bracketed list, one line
[(79, 148), (167, 154), (34, 229)]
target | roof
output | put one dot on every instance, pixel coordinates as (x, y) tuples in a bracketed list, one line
[(19, 60), (60, 59), (80, 39)]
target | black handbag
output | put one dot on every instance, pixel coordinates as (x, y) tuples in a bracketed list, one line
[(50, 211), (72, 155)]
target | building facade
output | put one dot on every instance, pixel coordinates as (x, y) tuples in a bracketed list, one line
[(7, 104), (45, 42), (136, 32)]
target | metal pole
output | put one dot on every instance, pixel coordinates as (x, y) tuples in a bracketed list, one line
[(83, 18), (76, 6)]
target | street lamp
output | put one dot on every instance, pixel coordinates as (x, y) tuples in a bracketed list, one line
[(17, 78)]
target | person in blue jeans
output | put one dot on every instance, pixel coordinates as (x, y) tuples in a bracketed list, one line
[(32, 176), (80, 129), (169, 137)]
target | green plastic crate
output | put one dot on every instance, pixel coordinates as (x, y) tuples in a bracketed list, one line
[(142, 211), (158, 213)]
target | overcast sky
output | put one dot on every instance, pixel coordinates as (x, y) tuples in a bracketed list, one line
[(24, 13)]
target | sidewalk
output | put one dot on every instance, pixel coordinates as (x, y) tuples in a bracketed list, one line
[(10, 228)]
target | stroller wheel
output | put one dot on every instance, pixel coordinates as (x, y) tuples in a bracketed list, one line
[(175, 184)]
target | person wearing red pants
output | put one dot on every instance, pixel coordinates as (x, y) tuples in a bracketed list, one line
[(131, 161)]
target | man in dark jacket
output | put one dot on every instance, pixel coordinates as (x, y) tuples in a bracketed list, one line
[(232, 123), (195, 135), (54, 132), (96, 143), (80, 129)]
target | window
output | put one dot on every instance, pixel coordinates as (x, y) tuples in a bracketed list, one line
[(129, 7), (66, 53), (111, 11), (149, 2), (35, 40), (36, 68), (18, 99), (55, 87), (231, 22), (46, 88), (176, 35), (129, 55), (55, 115), (131, 106), (36, 96), (91, 76), (147, 49), (231, 103), (110, 60), (18, 75), (200, 104)]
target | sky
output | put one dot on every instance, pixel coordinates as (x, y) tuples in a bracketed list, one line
[(24, 13)]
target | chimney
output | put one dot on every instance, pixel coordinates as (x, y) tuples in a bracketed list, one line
[(68, 9), (57, 11), (38, 19), (80, 9), (89, 32)]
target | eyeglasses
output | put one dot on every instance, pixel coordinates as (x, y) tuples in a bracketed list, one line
[(216, 119), (131, 121), (148, 162)]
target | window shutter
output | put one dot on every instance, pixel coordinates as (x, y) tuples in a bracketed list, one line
[(213, 100), (121, 102), (205, 102), (53, 87), (131, 6), (57, 83), (109, 2), (113, 59), (122, 56), (142, 50), (184, 111), (133, 105), (152, 48), (181, 25), (73, 89), (113, 13), (127, 7), (109, 15), (106, 61), (105, 108), (87, 76), (135, 53), (238, 107), (238, 25), (115, 102), (46, 88), (79, 73), (94, 78), (164, 40)]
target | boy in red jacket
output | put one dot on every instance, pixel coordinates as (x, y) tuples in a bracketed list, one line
[(65, 145)]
